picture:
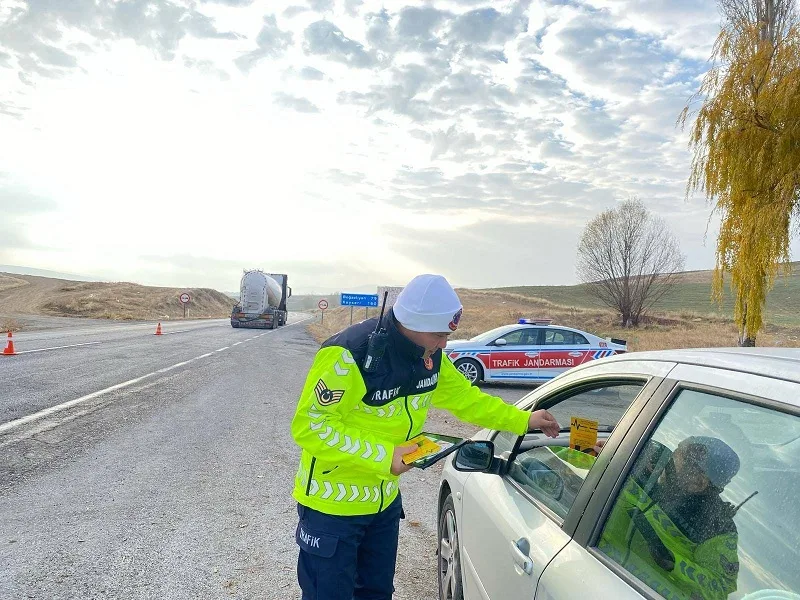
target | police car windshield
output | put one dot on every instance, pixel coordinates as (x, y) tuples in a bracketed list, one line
[(490, 336)]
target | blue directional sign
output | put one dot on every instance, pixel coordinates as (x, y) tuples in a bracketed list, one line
[(359, 300)]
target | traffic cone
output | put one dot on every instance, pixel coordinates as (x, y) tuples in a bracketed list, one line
[(158, 329), (9, 349)]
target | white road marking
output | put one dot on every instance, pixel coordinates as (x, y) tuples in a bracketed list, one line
[(64, 405), (57, 347)]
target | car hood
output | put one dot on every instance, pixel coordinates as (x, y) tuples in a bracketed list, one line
[(458, 344)]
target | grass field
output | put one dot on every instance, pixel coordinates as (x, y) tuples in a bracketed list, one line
[(691, 296), (484, 310)]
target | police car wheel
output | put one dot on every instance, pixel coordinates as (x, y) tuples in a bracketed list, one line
[(450, 587), (471, 369)]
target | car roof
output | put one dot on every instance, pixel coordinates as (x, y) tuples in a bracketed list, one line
[(776, 363)]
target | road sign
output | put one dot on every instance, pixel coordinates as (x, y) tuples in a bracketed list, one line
[(359, 300), (393, 292), (323, 304), (185, 298)]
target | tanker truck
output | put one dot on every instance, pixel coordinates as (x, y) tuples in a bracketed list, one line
[(262, 300)]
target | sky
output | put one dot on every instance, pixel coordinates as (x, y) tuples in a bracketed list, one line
[(344, 142)]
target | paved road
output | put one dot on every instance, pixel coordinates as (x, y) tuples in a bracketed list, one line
[(177, 484)]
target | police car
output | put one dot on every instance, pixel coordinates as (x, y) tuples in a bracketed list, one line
[(532, 350)]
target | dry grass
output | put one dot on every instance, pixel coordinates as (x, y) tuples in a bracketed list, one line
[(7, 324), (117, 301), (484, 310)]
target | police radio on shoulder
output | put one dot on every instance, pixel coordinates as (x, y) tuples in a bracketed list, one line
[(376, 345)]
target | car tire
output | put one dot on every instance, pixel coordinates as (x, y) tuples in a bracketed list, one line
[(449, 554), (471, 369)]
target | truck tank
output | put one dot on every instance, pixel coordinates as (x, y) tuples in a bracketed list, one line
[(259, 291)]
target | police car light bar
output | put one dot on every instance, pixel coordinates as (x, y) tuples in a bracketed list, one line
[(535, 321)]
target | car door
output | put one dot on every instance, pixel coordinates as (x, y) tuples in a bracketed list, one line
[(514, 359), (561, 350), (513, 525), (740, 540)]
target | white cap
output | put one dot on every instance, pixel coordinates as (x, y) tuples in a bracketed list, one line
[(428, 304)]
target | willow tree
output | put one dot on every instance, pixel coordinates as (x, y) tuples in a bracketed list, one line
[(746, 144)]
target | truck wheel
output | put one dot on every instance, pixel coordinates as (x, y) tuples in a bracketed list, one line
[(471, 369), (450, 585)]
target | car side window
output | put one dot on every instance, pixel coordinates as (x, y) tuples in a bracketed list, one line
[(548, 469), (709, 508), (578, 339), (562, 337), (515, 338)]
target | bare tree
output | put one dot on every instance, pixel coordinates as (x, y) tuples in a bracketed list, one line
[(629, 258)]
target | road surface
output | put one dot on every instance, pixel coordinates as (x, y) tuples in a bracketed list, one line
[(142, 466)]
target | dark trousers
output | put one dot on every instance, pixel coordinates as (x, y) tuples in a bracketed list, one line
[(347, 558)]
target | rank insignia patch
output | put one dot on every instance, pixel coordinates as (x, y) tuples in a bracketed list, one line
[(326, 396)]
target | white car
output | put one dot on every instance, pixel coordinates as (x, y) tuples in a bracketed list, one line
[(693, 495), (529, 351)]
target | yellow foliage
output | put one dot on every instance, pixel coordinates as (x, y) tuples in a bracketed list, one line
[(746, 142)]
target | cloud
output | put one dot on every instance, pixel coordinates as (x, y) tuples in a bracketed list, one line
[(234, 3), (18, 206), (606, 56), (311, 74), (33, 33), (321, 5), (12, 110), (272, 41), (472, 256), (325, 39), (207, 67), (302, 105), (486, 25), (292, 11), (351, 7)]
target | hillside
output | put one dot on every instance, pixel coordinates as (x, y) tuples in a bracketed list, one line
[(32, 295), (486, 309), (692, 295)]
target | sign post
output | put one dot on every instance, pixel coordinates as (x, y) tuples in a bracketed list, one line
[(184, 298), (323, 305), (365, 300)]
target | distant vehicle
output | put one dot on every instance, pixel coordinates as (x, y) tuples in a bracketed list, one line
[(262, 300), (532, 350), (693, 495)]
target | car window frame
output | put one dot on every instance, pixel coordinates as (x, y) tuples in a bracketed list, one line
[(606, 492), (650, 384)]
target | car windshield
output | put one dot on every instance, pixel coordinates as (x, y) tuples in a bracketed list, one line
[(488, 336)]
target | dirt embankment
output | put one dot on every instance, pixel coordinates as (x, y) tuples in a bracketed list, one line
[(484, 310), (30, 295)]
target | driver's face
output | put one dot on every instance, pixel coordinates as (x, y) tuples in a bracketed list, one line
[(690, 473)]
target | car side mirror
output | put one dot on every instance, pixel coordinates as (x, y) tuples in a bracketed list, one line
[(475, 456), (500, 342)]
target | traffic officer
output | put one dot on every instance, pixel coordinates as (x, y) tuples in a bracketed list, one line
[(351, 423)]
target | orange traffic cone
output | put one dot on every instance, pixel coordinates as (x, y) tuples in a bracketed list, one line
[(158, 329), (9, 349)]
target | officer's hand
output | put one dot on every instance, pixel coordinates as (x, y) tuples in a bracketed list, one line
[(541, 419), (398, 466)]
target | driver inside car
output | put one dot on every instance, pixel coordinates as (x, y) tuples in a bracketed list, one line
[(671, 528)]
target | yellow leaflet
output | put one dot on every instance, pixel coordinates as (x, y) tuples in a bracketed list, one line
[(425, 447), (582, 433)]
